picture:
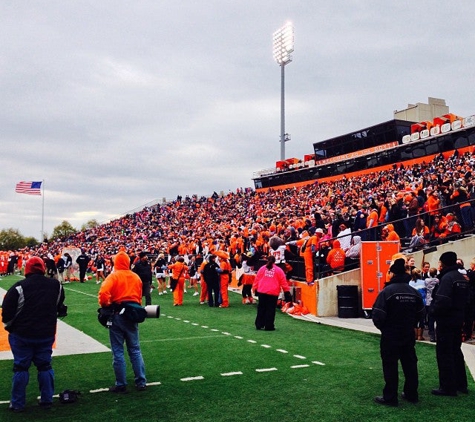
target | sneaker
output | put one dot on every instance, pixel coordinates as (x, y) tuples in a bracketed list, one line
[(165, 292), (184, 291), (142, 387), (160, 293), (118, 389), (195, 294), (202, 303)]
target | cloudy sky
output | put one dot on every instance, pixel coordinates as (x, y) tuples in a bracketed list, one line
[(116, 104)]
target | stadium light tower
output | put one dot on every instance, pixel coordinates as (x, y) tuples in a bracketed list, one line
[(283, 43)]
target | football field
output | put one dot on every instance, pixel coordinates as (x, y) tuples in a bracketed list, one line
[(211, 364)]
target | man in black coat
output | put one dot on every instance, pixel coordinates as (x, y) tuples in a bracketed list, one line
[(144, 270), (211, 277), (448, 305), (395, 312), (29, 313), (82, 260)]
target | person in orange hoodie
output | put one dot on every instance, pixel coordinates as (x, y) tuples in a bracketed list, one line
[(389, 234), (123, 285), (336, 257), (224, 277), (179, 272)]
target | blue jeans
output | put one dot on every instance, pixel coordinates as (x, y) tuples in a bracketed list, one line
[(124, 330), (25, 351)]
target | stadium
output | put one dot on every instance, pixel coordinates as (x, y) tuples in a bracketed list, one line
[(320, 363)]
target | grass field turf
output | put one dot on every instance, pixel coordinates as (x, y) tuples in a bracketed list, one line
[(211, 364)]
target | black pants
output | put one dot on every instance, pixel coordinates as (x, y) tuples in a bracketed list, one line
[(452, 375), (146, 293), (393, 351), (82, 273), (213, 294), (246, 291), (266, 311)]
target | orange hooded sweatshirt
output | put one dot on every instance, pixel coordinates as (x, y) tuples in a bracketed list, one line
[(122, 285), (336, 257)]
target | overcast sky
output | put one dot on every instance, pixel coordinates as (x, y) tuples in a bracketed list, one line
[(116, 104)]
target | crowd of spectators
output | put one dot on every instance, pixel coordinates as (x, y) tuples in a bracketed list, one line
[(431, 201)]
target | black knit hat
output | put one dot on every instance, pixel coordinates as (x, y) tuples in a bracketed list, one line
[(448, 258), (399, 266)]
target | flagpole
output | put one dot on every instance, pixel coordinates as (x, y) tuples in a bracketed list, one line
[(43, 212)]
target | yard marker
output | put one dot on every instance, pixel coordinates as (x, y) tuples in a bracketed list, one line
[(204, 326), (229, 374), (177, 339), (154, 383), (282, 351), (266, 346), (185, 320), (192, 378), (299, 357), (238, 337), (225, 333), (266, 369), (99, 390), (316, 362), (299, 366), (80, 292), (252, 341)]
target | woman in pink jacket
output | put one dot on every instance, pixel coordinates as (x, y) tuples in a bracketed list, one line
[(267, 285)]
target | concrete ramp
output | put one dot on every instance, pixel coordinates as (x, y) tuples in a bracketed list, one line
[(69, 341)]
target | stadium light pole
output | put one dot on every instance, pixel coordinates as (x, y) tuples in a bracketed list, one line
[(283, 45)]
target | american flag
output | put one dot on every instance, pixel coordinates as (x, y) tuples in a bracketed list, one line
[(29, 188)]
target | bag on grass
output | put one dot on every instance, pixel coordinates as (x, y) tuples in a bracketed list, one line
[(69, 396)]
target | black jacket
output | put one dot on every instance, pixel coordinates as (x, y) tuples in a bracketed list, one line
[(144, 271), (82, 260), (450, 297), (210, 273), (30, 307), (397, 308)]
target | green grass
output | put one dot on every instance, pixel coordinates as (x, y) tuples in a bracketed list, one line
[(182, 344)]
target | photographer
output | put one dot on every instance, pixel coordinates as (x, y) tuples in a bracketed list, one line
[(123, 285), (29, 313)]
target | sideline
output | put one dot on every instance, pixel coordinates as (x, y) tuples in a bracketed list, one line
[(366, 325)]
